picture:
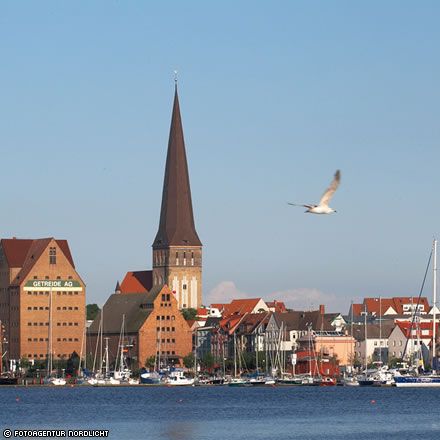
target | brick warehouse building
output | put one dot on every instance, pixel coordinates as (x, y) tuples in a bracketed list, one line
[(32, 272), (153, 325)]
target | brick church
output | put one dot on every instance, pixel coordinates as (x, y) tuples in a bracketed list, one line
[(148, 301)]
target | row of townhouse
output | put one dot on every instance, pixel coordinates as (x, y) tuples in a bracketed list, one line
[(376, 330), (251, 326)]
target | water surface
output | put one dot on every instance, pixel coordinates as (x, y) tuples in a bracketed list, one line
[(217, 412)]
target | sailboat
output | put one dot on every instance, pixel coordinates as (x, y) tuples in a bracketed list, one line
[(122, 372), (430, 380)]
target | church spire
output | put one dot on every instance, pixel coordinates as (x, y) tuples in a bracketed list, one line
[(176, 226)]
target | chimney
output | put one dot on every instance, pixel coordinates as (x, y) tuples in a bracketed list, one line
[(322, 309)]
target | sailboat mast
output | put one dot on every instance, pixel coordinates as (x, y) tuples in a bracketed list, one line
[(434, 300), (380, 330), (235, 356), (50, 343)]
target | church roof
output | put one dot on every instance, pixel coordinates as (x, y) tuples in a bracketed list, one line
[(137, 282), (176, 225)]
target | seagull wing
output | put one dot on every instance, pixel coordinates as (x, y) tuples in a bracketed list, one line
[(305, 206), (325, 198)]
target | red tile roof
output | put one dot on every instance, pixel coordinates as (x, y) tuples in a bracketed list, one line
[(406, 325), (24, 253), (137, 282), (17, 249), (358, 309), (278, 306), (396, 303), (237, 306)]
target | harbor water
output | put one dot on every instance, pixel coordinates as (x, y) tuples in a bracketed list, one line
[(221, 412)]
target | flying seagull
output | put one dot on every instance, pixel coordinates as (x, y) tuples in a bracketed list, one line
[(322, 207)]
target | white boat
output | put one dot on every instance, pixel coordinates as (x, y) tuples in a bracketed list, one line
[(176, 377), (350, 381), (150, 378), (57, 381), (236, 382)]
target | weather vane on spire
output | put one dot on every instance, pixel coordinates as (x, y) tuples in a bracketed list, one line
[(175, 76)]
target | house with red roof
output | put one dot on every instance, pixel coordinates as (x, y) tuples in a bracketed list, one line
[(388, 307), (419, 337), (241, 306), (276, 306)]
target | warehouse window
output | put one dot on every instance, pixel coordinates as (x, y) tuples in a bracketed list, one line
[(53, 255)]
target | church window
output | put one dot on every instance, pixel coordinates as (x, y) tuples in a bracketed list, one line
[(192, 258), (184, 287), (177, 258), (184, 258)]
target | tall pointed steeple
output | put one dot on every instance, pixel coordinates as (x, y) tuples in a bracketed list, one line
[(177, 249), (176, 226)]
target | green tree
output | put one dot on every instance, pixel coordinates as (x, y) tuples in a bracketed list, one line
[(92, 310), (188, 360), (207, 360), (189, 314), (149, 362)]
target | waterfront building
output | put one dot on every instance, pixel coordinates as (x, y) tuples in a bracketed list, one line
[(41, 297), (295, 324), (410, 341), (153, 325), (177, 249), (375, 344)]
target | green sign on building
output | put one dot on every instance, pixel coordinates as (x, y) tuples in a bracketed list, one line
[(66, 285)]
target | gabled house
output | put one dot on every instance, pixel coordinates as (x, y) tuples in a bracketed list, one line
[(375, 345), (154, 327)]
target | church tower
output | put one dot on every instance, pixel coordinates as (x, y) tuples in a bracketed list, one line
[(177, 249)]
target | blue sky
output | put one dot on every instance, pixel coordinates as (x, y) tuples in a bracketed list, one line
[(275, 96)]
